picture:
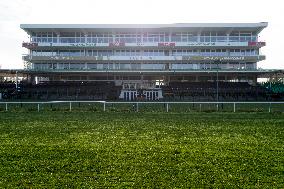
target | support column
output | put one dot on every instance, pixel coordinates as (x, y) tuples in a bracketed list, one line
[(17, 80), (198, 37), (196, 78), (228, 37)]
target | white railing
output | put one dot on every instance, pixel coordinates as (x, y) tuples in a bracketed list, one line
[(138, 56), (166, 106), (144, 39)]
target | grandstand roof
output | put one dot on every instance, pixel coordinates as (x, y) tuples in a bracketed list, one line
[(251, 27)]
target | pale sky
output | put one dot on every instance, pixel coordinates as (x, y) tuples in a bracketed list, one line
[(16, 12)]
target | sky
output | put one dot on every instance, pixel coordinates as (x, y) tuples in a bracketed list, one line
[(16, 12)]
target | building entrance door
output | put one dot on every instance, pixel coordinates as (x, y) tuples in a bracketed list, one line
[(130, 95)]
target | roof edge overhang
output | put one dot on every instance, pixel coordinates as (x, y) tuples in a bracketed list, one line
[(256, 27)]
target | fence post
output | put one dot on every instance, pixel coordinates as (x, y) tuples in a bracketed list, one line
[(38, 107), (167, 107), (104, 106), (70, 106), (200, 107), (269, 109), (234, 107), (6, 107), (217, 106), (137, 109)]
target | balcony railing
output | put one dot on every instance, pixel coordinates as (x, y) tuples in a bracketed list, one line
[(153, 69), (142, 58), (144, 40), (139, 54)]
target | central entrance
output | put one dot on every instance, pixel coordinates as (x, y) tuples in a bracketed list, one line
[(129, 95), (137, 91)]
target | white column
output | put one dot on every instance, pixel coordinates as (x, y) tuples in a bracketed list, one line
[(198, 37), (113, 37), (228, 37)]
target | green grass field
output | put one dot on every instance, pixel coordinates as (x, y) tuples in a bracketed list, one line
[(141, 150)]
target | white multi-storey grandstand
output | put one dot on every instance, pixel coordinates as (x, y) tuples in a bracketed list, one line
[(142, 59)]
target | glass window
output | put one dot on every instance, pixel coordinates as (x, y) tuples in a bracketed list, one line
[(110, 66), (75, 53), (105, 66), (99, 66), (94, 40), (125, 66), (92, 66), (64, 53)]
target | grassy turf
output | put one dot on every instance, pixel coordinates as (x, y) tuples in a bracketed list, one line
[(141, 150)]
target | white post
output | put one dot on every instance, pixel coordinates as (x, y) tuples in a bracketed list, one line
[(167, 107), (269, 109), (6, 107), (38, 107), (200, 107), (70, 106), (217, 106), (234, 107), (104, 106), (137, 107)]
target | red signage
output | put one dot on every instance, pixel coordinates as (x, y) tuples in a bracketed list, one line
[(29, 45), (116, 44), (258, 44), (166, 44)]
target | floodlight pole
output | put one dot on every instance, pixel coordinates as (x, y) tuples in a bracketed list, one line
[(217, 85)]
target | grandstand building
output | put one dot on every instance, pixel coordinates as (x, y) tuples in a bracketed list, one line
[(143, 62)]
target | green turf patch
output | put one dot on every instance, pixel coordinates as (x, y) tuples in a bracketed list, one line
[(141, 150)]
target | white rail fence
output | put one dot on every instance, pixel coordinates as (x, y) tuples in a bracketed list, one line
[(145, 106)]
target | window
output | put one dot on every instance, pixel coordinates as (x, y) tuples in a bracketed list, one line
[(89, 53)]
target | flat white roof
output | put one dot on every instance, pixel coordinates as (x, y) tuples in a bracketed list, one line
[(254, 27)]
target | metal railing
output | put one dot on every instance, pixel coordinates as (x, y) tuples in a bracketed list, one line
[(146, 106), (144, 39)]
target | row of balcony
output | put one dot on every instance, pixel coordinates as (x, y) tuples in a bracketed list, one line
[(144, 39), (33, 45), (153, 53), (143, 58), (143, 66)]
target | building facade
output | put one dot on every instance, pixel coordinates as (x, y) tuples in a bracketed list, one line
[(142, 58)]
